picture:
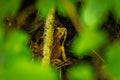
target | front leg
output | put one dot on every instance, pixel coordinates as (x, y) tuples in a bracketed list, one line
[(63, 53)]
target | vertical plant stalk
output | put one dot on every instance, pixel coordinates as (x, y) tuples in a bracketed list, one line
[(48, 37)]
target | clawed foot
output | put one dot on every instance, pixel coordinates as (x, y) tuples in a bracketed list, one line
[(59, 63)]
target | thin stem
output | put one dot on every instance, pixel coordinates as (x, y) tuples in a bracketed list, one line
[(48, 37)]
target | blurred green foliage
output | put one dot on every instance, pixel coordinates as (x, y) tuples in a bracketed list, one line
[(16, 60), (8, 6), (82, 72), (46, 5), (87, 41), (94, 12), (15, 56), (23, 70), (112, 56), (1, 34), (116, 8)]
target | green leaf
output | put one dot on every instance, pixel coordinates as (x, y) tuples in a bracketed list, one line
[(24, 70), (9, 6), (94, 12), (62, 6), (113, 58), (15, 46), (81, 72), (87, 41), (16, 65), (61, 9), (116, 5), (1, 35), (45, 6)]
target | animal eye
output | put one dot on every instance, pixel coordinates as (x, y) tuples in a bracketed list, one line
[(60, 33)]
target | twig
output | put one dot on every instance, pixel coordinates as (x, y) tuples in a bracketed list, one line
[(98, 55)]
